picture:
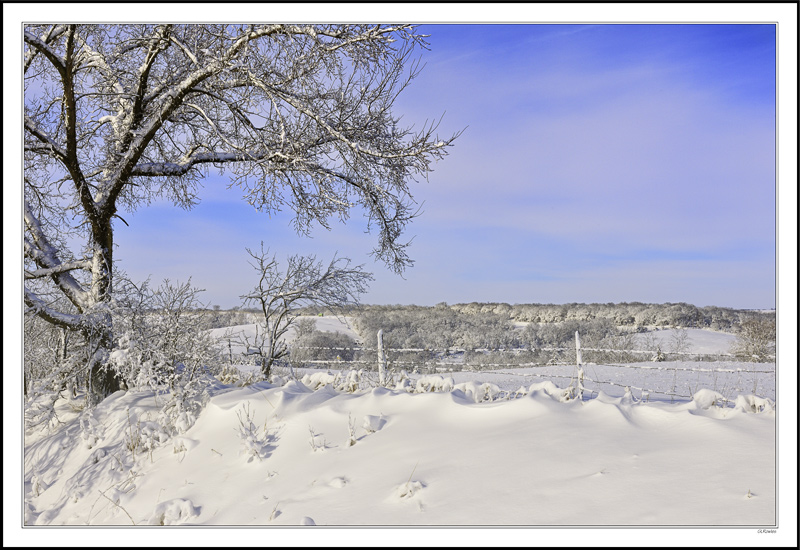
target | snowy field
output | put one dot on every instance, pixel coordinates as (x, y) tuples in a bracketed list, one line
[(289, 455), (700, 341), (663, 381), (508, 448), (237, 335)]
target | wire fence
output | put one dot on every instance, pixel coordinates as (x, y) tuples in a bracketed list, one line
[(646, 374), (462, 357)]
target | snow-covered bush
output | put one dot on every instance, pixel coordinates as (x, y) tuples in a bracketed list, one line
[(753, 404), (705, 399), (318, 380), (322, 346), (254, 444), (480, 392), (91, 430), (434, 383), (163, 340), (54, 361), (186, 401), (230, 375), (143, 436), (347, 381), (40, 412)]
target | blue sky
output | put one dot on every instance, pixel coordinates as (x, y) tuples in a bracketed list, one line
[(600, 163)]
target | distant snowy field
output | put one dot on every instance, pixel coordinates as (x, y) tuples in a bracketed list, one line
[(239, 334), (499, 448), (700, 341), (652, 381)]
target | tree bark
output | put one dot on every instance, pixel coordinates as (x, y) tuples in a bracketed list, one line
[(103, 380)]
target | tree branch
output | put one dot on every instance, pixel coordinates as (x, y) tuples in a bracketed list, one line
[(37, 307), (156, 169), (50, 271), (44, 255), (54, 32), (45, 49), (42, 136)]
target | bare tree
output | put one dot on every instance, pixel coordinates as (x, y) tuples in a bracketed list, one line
[(305, 282), (679, 341), (116, 116), (755, 340)]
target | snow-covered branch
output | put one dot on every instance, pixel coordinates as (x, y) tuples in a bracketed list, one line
[(52, 145), (53, 32), (47, 272), (154, 169), (44, 48), (38, 307), (39, 249)]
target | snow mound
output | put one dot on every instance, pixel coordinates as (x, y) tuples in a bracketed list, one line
[(258, 444), (705, 399), (753, 404), (373, 423), (408, 490), (174, 512), (434, 383), (479, 392), (318, 379)]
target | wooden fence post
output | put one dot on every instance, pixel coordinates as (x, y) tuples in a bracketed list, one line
[(381, 359), (579, 360)]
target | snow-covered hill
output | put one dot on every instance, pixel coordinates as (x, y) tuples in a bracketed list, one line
[(497, 448), (700, 341), (239, 334), (289, 455)]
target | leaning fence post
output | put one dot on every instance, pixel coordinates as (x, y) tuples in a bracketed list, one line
[(381, 359), (580, 364)]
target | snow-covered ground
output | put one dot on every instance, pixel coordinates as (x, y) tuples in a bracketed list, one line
[(700, 341), (238, 335), (277, 455), (500, 448)]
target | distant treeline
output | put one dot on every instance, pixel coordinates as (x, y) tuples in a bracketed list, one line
[(624, 314)]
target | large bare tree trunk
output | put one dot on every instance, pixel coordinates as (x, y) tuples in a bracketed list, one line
[(103, 379)]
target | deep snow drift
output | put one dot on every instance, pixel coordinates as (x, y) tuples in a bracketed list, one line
[(512, 447), (287, 455)]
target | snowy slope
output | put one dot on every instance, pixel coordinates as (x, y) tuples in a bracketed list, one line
[(238, 334), (699, 341), (496, 448), (417, 459)]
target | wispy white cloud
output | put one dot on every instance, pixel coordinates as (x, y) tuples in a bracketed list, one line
[(588, 172)]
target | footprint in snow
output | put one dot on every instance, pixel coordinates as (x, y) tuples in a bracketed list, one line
[(373, 423), (307, 521), (408, 490), (338, 482)]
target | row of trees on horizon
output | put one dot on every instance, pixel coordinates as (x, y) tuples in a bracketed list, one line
[(624, 314)]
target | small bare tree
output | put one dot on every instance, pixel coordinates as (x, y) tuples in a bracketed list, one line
[(679, 341), (304, 282), (755, 340)]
